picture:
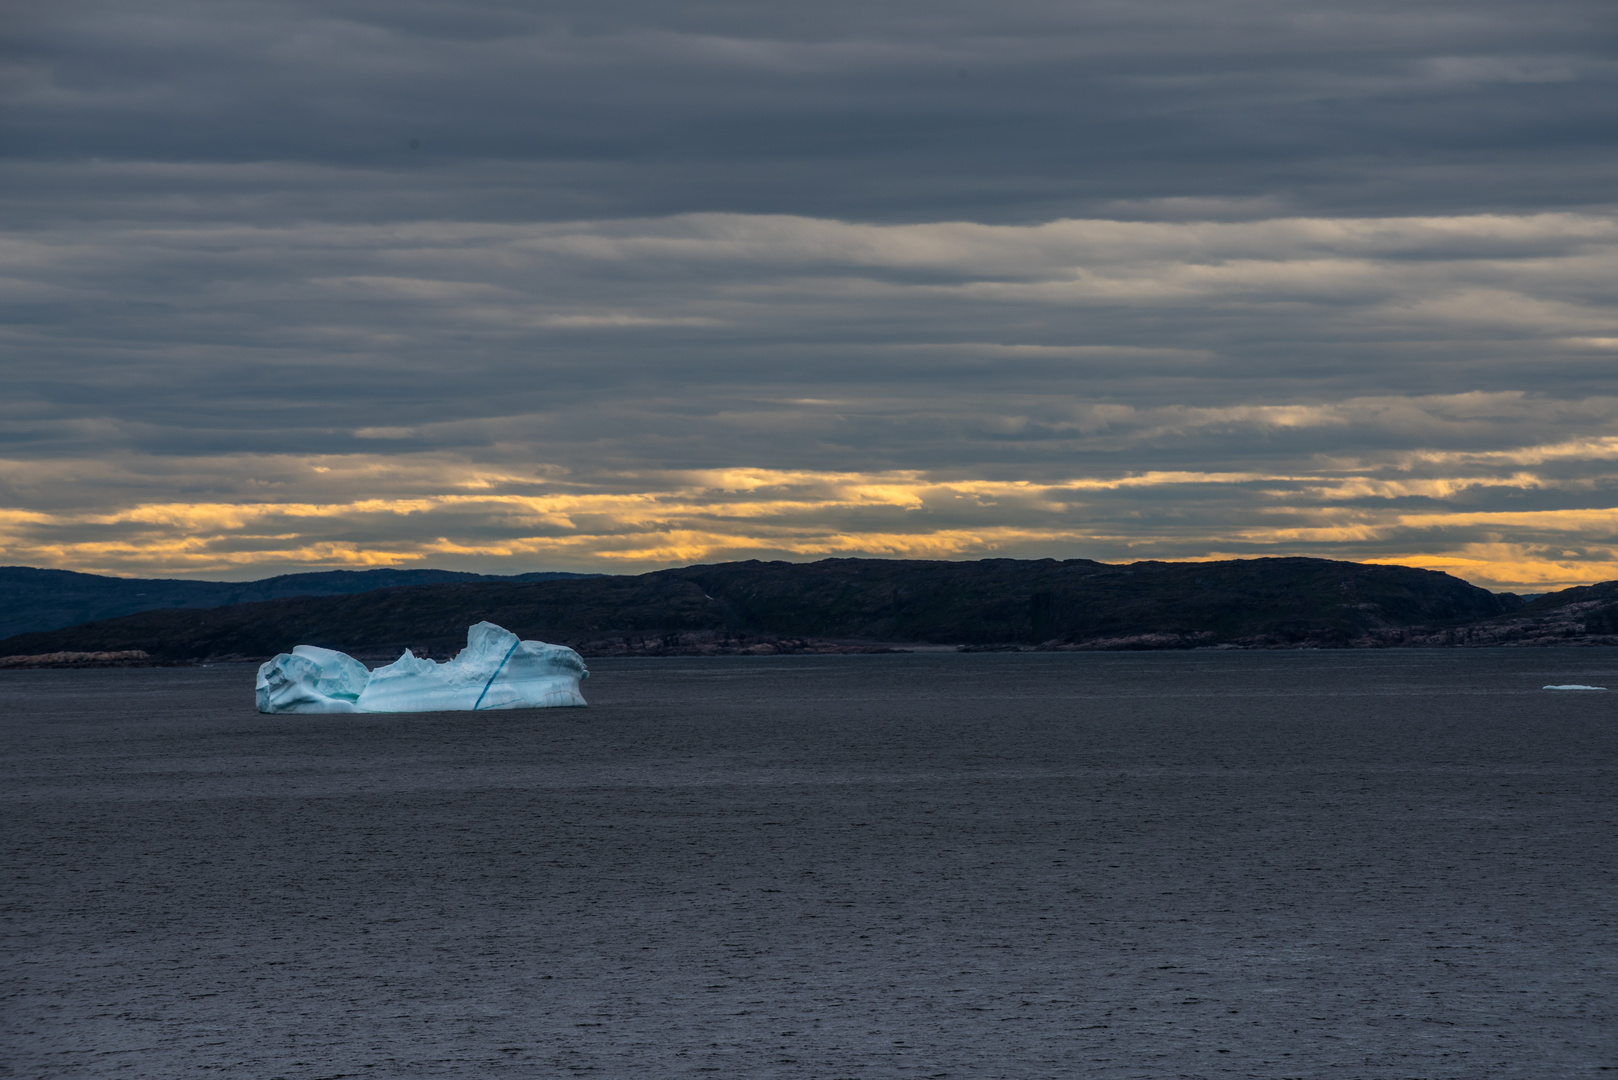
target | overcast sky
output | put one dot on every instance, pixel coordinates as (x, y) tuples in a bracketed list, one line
[(615, 286)]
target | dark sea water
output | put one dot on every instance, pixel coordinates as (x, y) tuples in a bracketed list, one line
[(1325, 864)]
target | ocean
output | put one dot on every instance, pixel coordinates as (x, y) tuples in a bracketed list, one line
[(1382, 864)]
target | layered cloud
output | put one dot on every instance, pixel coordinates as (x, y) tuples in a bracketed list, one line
[(619, 286), (1531, 518), (921, 111)]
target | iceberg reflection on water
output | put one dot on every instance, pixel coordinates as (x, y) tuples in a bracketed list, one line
[(496, 670)]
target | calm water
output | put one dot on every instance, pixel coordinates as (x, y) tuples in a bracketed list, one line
[(1394, 864)]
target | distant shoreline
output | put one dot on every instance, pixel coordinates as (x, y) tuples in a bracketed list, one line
[(840, 606)]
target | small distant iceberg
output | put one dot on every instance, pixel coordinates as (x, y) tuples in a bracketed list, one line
[(1573, 686), (496, 670)]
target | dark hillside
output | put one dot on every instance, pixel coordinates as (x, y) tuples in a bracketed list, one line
[(989, 603), (431, 619), (1596, 602), (33, 599), (1583, 615), (1076, 601)]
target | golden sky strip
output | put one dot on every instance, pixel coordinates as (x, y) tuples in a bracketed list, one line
[(742, 513)]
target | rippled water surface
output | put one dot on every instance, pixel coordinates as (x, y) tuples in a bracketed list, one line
[(1390, 864)]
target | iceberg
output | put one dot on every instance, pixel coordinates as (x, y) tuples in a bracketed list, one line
[(496, 670), (310, 679), (1572, 686)]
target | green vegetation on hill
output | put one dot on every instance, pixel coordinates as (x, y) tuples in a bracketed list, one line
[(1074, 603)]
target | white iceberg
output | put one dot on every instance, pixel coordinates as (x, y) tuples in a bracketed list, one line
[(1572, 686), (496, 670)]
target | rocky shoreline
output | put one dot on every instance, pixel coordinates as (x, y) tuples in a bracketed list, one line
[(672, 645), (121, 658), (1545, 634)]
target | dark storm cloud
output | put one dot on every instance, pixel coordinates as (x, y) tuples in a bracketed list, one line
[(915, 111), (313, 284)]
